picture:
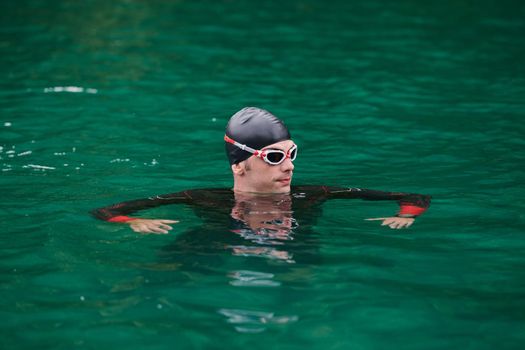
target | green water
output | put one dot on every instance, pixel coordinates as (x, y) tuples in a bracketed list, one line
[(105, 101)]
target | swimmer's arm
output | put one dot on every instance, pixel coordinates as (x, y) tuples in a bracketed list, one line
[(411, 205), (119, 213)]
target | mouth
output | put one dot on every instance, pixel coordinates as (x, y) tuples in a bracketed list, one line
[(285, 181)]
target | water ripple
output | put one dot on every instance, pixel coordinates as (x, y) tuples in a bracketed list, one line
[(72, 89), (247, 321), (245, 278)]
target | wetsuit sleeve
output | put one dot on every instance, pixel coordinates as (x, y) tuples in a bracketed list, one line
[(119, 212), (410, 204)]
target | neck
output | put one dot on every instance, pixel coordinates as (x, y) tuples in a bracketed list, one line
[(240, 188)]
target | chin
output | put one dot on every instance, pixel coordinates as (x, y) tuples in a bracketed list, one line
[(283, 189)]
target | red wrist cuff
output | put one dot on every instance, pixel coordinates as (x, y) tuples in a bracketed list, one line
[(411, 210), (121, 218)]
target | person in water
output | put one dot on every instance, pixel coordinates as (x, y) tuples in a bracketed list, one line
[(262, 204)]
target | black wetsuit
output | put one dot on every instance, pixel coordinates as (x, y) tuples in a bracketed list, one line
[(302, 197), (277, 227)]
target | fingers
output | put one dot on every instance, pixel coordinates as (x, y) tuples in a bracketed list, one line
[(394, 222), (148, 228), (396, 225), (152, 226), (401, 223), (168, 221), (164, 227)]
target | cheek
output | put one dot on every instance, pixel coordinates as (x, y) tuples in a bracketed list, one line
[(264, 174)]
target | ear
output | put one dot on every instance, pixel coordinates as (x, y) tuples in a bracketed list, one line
[(238, 169)]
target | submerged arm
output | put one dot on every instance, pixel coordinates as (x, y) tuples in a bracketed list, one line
[(411, 205), (119, 212)]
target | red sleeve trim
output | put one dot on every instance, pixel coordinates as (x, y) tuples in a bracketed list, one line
[(411, 210), (121, 218)]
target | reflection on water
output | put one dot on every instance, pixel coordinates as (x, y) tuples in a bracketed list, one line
[(265, 221), (264, 252), (269, 236), (244, 278), (246, 242), (72, 89), (246, 321)]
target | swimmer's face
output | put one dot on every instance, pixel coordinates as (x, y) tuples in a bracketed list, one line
[(259, 176)]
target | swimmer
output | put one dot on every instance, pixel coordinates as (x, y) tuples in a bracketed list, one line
[(261, 153)]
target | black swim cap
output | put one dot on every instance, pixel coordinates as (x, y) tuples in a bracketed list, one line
[(255, 128)]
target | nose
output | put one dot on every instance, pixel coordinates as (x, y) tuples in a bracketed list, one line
[(287, 165)]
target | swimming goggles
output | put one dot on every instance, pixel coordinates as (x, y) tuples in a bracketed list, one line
[(270, 156)]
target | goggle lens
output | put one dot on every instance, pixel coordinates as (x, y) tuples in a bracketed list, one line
[(276, 157), (293, 153)]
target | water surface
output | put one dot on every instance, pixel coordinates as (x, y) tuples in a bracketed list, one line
[(108, 101)]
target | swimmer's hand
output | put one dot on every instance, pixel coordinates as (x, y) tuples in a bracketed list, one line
[(395, 222), (151, 225)]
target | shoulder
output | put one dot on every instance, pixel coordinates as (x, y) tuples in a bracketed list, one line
[(323, 189), (209, 194)]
